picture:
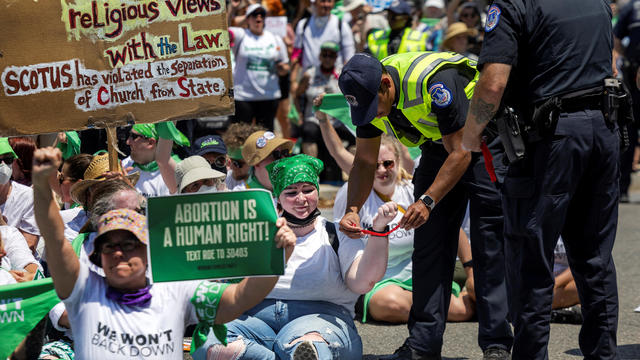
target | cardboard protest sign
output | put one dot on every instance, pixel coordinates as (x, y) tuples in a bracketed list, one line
[(76, 64), (22, 306), (209, 236)]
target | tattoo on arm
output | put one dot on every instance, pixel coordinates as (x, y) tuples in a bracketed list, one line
[(483, 111)]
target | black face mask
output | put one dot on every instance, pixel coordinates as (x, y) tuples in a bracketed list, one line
[(222, 169)]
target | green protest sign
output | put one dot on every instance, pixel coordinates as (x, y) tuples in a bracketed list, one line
[(211, 236), (22, 306)]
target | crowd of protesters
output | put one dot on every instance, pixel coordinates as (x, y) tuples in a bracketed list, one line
[(67, 216)]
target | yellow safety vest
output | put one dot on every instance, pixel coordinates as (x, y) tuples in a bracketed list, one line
[(414, 71), (412, 40)]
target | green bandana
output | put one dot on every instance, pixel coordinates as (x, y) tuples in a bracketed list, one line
[(167, 130), (22, 306), (72, 146), (293, 170), (146, 130), (235, 153), (153, 166), (5, 148), (206, 300)]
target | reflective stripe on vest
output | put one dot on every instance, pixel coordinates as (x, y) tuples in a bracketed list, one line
[(413, 40), (378, 42), (415, 70)]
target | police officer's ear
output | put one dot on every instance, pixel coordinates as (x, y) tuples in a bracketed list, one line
[(385, 84)]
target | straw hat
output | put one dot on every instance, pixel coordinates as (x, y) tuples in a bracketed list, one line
[(94, 174), (458, 28)]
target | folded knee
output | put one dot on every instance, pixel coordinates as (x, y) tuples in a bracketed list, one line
[(312, 336)]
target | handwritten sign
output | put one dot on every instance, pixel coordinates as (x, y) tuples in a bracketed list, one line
[(77, 64)]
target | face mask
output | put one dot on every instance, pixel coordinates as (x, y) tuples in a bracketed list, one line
[(204, 189), (222, 169), (5, 173)]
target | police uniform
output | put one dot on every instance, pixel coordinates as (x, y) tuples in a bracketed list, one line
[(432, 97), (567, 184), (382, 43)]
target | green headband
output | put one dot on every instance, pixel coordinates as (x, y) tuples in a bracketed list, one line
[(293, 170), (5, 148), (330, 45), (235, 153), (146, 130), (165, 130)]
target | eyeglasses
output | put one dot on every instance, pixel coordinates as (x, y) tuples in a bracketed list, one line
[(279, 154), (219, 161), (387, 164), (258, 13), (133, 136), (238, 163), (7, 160), (124, 246), (329, 54), (62, 178)]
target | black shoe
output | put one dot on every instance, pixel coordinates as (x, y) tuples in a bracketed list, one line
[(569, 315), (405, 352), (495, 354), (305, 351)]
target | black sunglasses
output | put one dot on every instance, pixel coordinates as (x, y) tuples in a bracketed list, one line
[(258, 13), (237, 163), (387, 164), (124, 246), (135, 136), (219, 162), (279, 154), (7, 160)]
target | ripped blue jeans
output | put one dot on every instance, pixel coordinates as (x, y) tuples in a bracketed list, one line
[(270, 327)]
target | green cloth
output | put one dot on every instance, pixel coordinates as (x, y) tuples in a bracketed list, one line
[(293, 170), (22, 306), (72, 146), (330, 45), (337, 107), (153, 166), (168, 130), (5, 148), (206, 300), (76, 244), (235, 153), (146, 130)]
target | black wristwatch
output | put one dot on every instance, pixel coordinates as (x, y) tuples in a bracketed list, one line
[(428, 202), (386, 229)]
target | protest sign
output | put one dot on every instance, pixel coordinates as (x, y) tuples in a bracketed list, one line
[(22, 306), (77, 64), (209, 236), (276, 25)]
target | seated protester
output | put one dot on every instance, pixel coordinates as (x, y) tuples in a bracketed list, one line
[(391, 299), (470, 14), (73, 214), (311, 305), (259, 150), (18, 258), (237, 168), (6, 278), (213, 149), (195, 175), (143, 140), (456, 39), (566, 303), (16, 200), (123, 300)]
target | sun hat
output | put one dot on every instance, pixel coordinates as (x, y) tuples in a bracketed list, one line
[(254, 7), (260, 144), (359, 81), (195, 168), (434, 3), (348, 5), (5, 148), (94, 173), (455, 29), (293, 170), (120, 219)]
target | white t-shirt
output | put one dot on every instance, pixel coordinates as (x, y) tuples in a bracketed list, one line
[(74, 219), (400, 241), (105, 329), (316, 33), (18, 209), (150, 183), (314, 272), (254, 76), (55, 314), (18, 253), (6, 278), (233, 184)]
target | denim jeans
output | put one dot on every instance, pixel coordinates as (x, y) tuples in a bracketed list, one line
[(270, 327)]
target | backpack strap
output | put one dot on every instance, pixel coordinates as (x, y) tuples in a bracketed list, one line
[(333, 235)]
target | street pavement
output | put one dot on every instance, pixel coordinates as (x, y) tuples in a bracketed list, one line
[(460, 339)]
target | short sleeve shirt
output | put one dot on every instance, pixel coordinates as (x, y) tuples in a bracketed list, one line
[(18, 209), (628, 25)]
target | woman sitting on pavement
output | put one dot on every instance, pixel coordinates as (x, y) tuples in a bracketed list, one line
[(309, 313), (108, 313), (390, 299)]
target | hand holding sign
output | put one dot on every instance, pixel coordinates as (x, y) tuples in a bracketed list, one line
[(285, 238)]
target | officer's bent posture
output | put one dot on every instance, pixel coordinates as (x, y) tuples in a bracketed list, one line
[(422, 99), (553, 57)]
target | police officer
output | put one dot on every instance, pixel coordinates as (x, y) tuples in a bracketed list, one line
[(400, 37), (422, 99), (553, 60)]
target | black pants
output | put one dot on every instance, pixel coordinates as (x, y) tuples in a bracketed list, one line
[(263, 111), (435, 248), (567, 185)]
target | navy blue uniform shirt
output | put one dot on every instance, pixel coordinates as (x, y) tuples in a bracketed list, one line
[(551, 53), (629, 25)]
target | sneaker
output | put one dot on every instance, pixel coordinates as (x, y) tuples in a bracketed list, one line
[(305, 351), (569, 315), (495, 354), (406, 352)]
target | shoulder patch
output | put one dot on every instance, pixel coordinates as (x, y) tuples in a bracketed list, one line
[(493, 17), (440, 95)]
